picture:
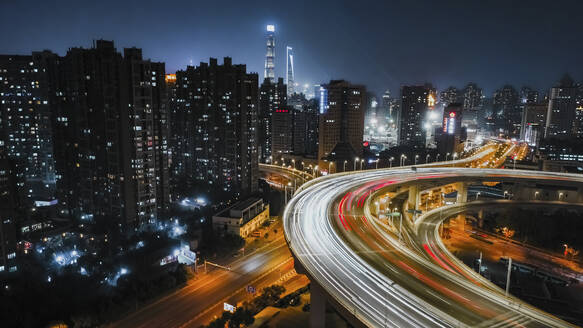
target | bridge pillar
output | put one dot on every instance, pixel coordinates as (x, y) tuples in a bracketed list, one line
[(580, 195), (414, 195), (317, 306), (462, 192)]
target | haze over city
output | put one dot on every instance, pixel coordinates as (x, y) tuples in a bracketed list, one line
[(254, 164)]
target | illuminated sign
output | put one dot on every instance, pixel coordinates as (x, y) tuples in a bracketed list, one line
[(449, 123), (228, 307), (170, 78), (430, 100), (270, 28)]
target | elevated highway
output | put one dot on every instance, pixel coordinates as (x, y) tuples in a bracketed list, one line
[(379, 276)]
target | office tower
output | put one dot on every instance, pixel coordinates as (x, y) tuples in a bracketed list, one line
[(219, 106), (342, 107), (289, 71), (533, 123), (270, 55), (305, 125), (272, 96), (415, 104), (449, 96), (561, 113), (26, 95), (112, 135), (506, 109), (451, 133), (9, 205)]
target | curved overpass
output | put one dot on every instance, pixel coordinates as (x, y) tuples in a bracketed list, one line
[(377, 277)]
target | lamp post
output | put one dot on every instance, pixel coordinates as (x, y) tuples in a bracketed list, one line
[(477, 194), (403, 158), (316, 174), (446, 156), (330, 167), (416, 158), (391, 162), (377, 164), (427, 158), (270, 159), (437, 158), (344, 168), (294, 163), (361, 162), (355, 160)]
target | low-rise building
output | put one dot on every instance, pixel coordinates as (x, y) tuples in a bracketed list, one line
[(242, 218)]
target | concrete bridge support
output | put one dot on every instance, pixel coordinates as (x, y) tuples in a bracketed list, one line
[(414, 196), (317, 306), (462, 192)]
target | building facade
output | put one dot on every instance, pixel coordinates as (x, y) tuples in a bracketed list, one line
[(272, 96), (561, 112), (242, 218), (218, 105), (26, 94), (415, 103), (342, 107)]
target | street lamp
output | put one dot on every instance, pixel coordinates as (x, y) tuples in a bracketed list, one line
[(361, 162), (316, 167), (477, 194), (454, 156), (377, 164), (330, 167), (446, 156), (437, 158), (294, 163), (505, 193), (344, 168), (270, 159), (355, 160), (427, 158), (416, 158), (403, 158), (391, 162), (535, 195)]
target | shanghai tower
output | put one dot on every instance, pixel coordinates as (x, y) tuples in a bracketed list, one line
[(270, 55)]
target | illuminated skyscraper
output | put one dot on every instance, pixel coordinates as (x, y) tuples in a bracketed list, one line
[(415, 103), (270, 55), (561, 113), (289, 73)]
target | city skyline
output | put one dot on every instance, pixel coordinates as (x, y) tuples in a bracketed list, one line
[(448, 44)]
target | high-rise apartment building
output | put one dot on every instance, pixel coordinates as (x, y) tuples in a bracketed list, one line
[(561, 113), (26, 94), (9, 204), (533, 123), (305, 125), (282, 132), (415, 103), (506, 108), (272, 96), (111, 132), (218, 104), (342, 107), (270, 54), (289, 71), (449, 96)]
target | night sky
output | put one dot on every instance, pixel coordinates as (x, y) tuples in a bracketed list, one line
[(381, 44)]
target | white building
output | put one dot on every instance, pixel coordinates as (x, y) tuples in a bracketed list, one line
[(242, 218)]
